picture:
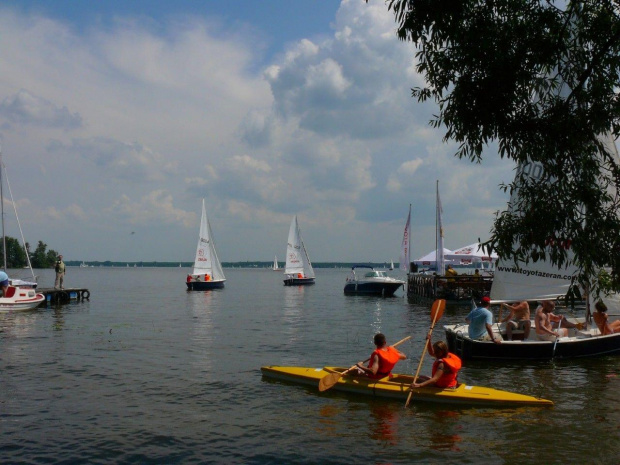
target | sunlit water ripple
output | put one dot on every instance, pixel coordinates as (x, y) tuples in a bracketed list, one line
[(148, 373)]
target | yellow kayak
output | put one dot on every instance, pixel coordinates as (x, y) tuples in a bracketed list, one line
[(397, 387)]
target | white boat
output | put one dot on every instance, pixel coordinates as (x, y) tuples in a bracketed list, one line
[(275, 266), (298, 269), (536, 281), (84, 265), (20, 295), (207, 272), (371, 282), (391, 265)]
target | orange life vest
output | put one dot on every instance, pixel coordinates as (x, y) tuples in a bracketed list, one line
[(452, 364), (387, 359), (207, 277), (300, 276)]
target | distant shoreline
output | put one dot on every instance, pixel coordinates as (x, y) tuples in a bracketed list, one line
[(254, 264)]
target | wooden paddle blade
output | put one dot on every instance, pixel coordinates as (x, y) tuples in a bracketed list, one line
[(329, 381), (437, 309)]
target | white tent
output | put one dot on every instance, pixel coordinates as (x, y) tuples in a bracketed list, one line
[(430, 260), (470, 254)]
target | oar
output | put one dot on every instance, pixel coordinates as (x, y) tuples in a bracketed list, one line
[(331, 379), (436, 313)]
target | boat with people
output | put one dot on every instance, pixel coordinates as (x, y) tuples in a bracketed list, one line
[(397, 387), (20, 295), (538, 281), (207, 273), (298, 269), (371, 282)]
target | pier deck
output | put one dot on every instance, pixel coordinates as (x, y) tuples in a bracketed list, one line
[(61, 296)]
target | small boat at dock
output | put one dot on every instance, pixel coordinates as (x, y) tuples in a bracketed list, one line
[(397, 388)]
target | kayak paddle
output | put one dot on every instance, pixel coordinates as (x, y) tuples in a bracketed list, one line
[(436, 313), (331, 379)]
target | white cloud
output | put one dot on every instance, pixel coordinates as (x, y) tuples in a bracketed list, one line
[(133, 123), (25, 108)]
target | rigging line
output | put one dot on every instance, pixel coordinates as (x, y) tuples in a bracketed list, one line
[(8, 184)]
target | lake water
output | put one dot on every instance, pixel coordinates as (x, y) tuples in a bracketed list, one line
[(146, 372)]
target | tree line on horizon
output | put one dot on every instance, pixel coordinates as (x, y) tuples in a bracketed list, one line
[(17, 255)]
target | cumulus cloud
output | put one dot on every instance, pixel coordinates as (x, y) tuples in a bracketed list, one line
[(117, 159), (26, 108), (153, 208)]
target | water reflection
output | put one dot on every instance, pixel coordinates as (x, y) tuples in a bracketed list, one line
[(294, 300), (203, 306), (384, 422)]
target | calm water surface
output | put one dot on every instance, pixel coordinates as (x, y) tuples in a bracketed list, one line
[(147, 372)]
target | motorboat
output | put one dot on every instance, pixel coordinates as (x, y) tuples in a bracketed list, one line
[(368, 281)]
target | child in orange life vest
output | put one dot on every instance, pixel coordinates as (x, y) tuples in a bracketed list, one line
[(382, 360), (445, 368)]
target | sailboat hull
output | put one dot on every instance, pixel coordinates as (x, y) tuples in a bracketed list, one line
[(298, 281), (21, 299), (204, 286)]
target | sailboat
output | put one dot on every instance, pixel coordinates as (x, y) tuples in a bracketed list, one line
[(391, 265), (535, 281), (275, 267), (298, 269), (19, 295), (207, 272)]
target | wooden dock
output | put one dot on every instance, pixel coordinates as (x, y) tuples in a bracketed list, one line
[(457, 290), (63, 296)]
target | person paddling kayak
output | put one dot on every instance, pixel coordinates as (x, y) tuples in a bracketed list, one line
[(382, 360), (445, 368)]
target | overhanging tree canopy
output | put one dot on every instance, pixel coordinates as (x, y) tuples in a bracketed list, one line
[(541, 79)]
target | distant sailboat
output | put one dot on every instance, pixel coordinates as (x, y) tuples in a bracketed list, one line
[(207, 273), (276, 267), (391, 265), (298, 269)]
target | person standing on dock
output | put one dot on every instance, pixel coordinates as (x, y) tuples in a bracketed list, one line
[(60, 273)]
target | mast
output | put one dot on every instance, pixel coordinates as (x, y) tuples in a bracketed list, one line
[(2, 213)]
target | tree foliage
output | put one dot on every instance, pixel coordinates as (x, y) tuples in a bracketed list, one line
[(16, 255), (41, 257), (540, 79)]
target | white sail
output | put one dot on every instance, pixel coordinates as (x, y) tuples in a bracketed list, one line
[(405, 250), (206, 261), (297, 260), (535, 280), (441, 263), (275, 263)]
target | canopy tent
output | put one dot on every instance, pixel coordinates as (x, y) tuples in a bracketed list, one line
[(430, 258), (470, 254)]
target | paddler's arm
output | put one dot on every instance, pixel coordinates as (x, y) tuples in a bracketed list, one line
[(431, 381), (373, 368)]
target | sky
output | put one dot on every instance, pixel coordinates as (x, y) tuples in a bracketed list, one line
[(117, 118)]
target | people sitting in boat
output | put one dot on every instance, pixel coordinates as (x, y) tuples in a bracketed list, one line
[(550, 326), (480, 322), (601, 317), (4, 282), (382, 360), (451, 272), (518, 318), (445, 368)]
